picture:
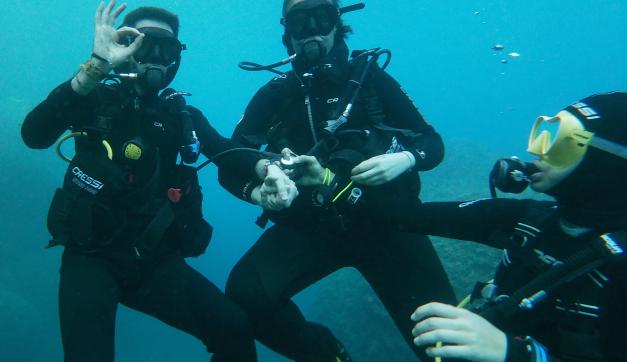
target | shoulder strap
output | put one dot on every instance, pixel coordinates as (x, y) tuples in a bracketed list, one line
[(370, 98), (360, 70)]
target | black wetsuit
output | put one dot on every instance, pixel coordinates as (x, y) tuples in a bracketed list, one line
[(307, 243), (96, 277), (568, 336)]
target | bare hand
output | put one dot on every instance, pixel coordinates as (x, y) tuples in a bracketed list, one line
[(382, 169), (107, 38), (277, 191), (465, 335), (307, 168)]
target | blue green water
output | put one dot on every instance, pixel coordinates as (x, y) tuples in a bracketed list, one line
[(442, 56)]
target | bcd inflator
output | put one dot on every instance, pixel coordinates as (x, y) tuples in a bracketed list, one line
[(190, 147), (511, 175)]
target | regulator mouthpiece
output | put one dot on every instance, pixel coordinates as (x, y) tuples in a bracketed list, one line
[(511, 175), (153, 78), (313, 51)]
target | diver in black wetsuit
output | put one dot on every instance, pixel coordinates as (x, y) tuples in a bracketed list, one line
[(127, 213), (371, 154), (560, 291)]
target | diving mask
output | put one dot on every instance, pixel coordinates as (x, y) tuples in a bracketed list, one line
[(158, 47), (560, 141), (311, 18), (568, 144)]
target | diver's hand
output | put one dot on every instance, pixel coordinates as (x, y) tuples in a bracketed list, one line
[(107, 38), (307, 168), (383, 168), (277, 191), (465, 335), (107, 52)]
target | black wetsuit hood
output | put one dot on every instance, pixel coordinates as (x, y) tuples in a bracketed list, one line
[(594, 195)]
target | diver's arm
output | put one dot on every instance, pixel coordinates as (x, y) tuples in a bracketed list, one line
[(275, 193), (401, 112), (428, 150), (252, 123), (107, 52), (67, 105), (212, 143), (57, 113), (478, 220)]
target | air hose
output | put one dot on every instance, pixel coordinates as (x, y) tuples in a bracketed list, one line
[(109, 150), (254, 67), (234, 150), (63, 139)]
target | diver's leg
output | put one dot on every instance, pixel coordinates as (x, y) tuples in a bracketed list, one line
[(88, 298), (180, 296), (284, 261), (405, 274)]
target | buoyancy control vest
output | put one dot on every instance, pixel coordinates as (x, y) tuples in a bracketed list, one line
[(124, 188), (563, 292), (340, 146)]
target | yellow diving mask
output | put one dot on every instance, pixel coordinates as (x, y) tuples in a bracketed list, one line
[(562, 141)]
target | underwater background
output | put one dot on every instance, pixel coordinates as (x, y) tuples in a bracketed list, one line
[(442, 55)]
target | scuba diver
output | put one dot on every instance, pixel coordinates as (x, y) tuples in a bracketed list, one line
[(560, 290), (128, 212), (371, 141)]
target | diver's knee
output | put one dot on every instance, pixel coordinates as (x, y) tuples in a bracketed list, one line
[(238, 327), (243, 283), (228, 337), (245, 288)]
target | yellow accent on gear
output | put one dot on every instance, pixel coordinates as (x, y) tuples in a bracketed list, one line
[(107, 147), (133, 152), (461, 304), (342, 192)]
